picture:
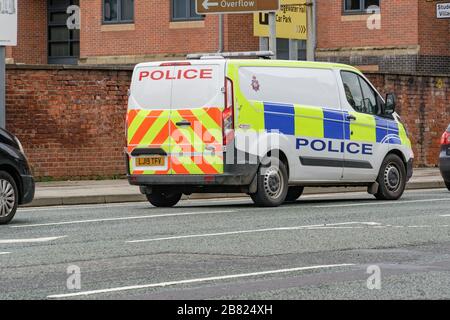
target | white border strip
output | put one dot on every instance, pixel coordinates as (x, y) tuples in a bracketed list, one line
[(198, 280), (374, 202), (121, 218), (307, 227)]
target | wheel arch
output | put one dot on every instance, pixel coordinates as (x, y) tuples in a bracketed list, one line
[(400, 154), (281, 155), (15, 175)]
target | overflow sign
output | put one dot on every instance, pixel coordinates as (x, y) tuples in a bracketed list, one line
[(235, 6)]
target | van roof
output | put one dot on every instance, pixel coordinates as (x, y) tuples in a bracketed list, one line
[(256, 62)]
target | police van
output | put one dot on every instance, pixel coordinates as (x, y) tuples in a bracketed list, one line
[(268, 128)]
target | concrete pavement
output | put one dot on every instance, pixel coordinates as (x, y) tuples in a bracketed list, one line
[(318, 248), (113, 191)]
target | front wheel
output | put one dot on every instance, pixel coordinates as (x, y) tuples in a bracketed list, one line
[(272, 183), (391, 179), (293, 194), (163, 199), (447, 184), (9, 197)]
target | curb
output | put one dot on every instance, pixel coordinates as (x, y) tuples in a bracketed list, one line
[(120, 198)]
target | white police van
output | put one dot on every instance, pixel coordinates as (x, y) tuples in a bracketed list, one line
[(268, 128)]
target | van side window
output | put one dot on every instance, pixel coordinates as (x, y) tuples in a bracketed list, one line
[(290, 85), (361, 97), (353, 90)]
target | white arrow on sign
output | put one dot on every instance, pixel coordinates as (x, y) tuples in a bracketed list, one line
[(207, 4)]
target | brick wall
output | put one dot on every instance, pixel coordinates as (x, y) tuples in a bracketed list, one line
[(424, 105), (71, 121), (399, 25), (411, 38), (154, 34), (32, 33)]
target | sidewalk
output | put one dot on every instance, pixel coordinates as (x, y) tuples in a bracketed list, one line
[(113, 191)]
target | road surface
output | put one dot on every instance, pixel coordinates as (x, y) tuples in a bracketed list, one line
[(321, 247)]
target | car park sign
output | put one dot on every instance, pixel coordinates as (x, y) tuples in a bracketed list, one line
[(235, 6), (8, 22)]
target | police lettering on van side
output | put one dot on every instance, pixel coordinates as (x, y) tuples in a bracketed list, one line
[(335, 146)]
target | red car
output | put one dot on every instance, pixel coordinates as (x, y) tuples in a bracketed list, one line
[(444, 157)]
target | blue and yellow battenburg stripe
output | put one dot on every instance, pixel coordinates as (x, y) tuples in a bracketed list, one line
[(316, 122)]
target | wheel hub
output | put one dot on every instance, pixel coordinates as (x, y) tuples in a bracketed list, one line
[(7, 198), (392, 177), (273, 182)]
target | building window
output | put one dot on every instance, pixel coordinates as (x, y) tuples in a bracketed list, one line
[(118, 11), (359, 6), (63, 42), (184, 10)]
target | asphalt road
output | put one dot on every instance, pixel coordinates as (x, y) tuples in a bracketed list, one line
[(317, 248)]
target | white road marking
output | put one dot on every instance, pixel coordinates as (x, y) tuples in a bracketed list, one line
[(33, 240), (2, 253), (317, 226), (74, 207), (445, 215), (380, 203), (198, 280), (121, 218)]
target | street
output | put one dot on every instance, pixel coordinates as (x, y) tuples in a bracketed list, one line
[(318, 248)]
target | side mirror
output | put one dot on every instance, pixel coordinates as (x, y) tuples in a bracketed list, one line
[(391, 103)]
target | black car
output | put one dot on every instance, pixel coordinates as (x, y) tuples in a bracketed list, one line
[(16, 181), (445, 157)]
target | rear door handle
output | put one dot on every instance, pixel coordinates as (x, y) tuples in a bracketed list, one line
[(183, 123), (351, 117)]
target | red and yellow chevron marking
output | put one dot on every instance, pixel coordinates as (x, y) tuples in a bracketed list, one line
[(184, 145)]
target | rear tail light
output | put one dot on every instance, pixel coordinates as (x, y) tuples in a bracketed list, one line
[(445, 138), (228, 113)]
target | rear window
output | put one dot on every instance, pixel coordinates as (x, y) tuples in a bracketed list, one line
[(178, 87)]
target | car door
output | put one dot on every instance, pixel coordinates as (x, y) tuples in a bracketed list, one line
[(366, 145)]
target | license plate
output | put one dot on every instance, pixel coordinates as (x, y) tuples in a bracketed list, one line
[(156, 161)]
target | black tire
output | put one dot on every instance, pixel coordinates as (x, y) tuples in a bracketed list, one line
[(391, 179), (272, 183), (447, 184), (9, 197), (164, 200), (293, 194)]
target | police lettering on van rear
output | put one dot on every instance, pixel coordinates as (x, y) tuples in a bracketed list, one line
[(264, 127), (187, 74)]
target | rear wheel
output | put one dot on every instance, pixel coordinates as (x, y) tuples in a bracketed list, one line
[(9, 197), (391, 179), (294, 193), (272, 183), (447, 184), (164, 199)]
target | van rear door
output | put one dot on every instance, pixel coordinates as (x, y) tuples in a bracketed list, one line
[(148, 117), (175, 118), (196, 118)]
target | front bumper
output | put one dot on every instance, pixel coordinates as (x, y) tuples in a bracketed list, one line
[(28, 189), (409, 169)]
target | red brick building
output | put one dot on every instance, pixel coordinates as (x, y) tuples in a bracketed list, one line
[(408, 37)]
